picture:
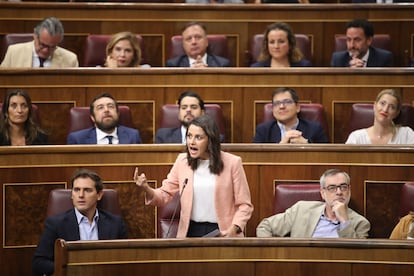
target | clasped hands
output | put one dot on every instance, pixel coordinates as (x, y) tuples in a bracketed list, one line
[(355, 61), (199, 63), (293, 137)]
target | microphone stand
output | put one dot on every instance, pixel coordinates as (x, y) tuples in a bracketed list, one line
[(176, 206)]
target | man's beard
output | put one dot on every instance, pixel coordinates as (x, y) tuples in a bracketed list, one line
[(185, 123), (107, 127)]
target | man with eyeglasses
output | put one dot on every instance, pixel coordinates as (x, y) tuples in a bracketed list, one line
[(288, 128), (43, 50), (317, 219)]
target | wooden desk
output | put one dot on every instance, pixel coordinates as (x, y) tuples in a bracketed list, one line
[(157, 23), (241, 93), (250, 256), (29, 173)]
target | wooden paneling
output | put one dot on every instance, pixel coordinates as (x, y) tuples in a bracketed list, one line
[(241, 92), (234, 256), (158, 22), (28, 174)]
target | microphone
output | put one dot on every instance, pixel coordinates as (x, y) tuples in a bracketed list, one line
[(176, 206)]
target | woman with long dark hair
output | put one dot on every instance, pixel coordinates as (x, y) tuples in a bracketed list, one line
[(213, 185), (16, 125)]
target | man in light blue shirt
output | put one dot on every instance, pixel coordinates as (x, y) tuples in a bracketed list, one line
[(83, 222)]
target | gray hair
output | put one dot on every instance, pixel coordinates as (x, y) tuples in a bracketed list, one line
[(52, 25), (333, 172)]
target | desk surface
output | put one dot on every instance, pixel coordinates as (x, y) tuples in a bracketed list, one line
[(255, 254)]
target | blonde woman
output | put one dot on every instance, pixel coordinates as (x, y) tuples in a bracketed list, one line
[(387, 107), (123, 50)]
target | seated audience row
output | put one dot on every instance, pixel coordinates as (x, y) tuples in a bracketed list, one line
[(279, 49), (203, 165), (287, 125)]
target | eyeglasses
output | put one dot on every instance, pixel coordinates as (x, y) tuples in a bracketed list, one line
[(44, 46), (284, 102), (333, 188)]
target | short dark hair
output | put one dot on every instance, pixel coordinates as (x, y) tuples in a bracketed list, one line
[(194, 23), (52, 25), (363, 24), (99, 96), (85, 173), (193, 94), (292, 93)]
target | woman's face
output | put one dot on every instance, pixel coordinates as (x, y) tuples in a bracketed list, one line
[(278, 44), (18, 110), (123, 53), (197, 142), (386, 109)]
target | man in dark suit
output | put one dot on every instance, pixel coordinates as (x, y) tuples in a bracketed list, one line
[(105, 115), (191, 106), (195, 44), (287, 127), (360, 53), (83, 222)]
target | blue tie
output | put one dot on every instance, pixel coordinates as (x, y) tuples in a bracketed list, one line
[(109, 139)]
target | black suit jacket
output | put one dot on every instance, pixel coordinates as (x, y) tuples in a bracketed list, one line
[(212, 61), (269, 132), (172, 136), (168, 136), (377, 58), (65, 226), (41, 139)]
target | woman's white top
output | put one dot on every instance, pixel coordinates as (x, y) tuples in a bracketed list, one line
[(403, 135), (203, 194)]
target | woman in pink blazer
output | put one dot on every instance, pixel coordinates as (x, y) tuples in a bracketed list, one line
[(213, 185)]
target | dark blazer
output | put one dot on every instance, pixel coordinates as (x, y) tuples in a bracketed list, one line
[(168, 136), (269, 132), (41, 139), (212, 61), (266, 63), (172, 136), (126, 135), (65, 226), (377, 58)]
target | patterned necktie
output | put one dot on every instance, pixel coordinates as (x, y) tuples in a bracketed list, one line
[(109, 139)]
